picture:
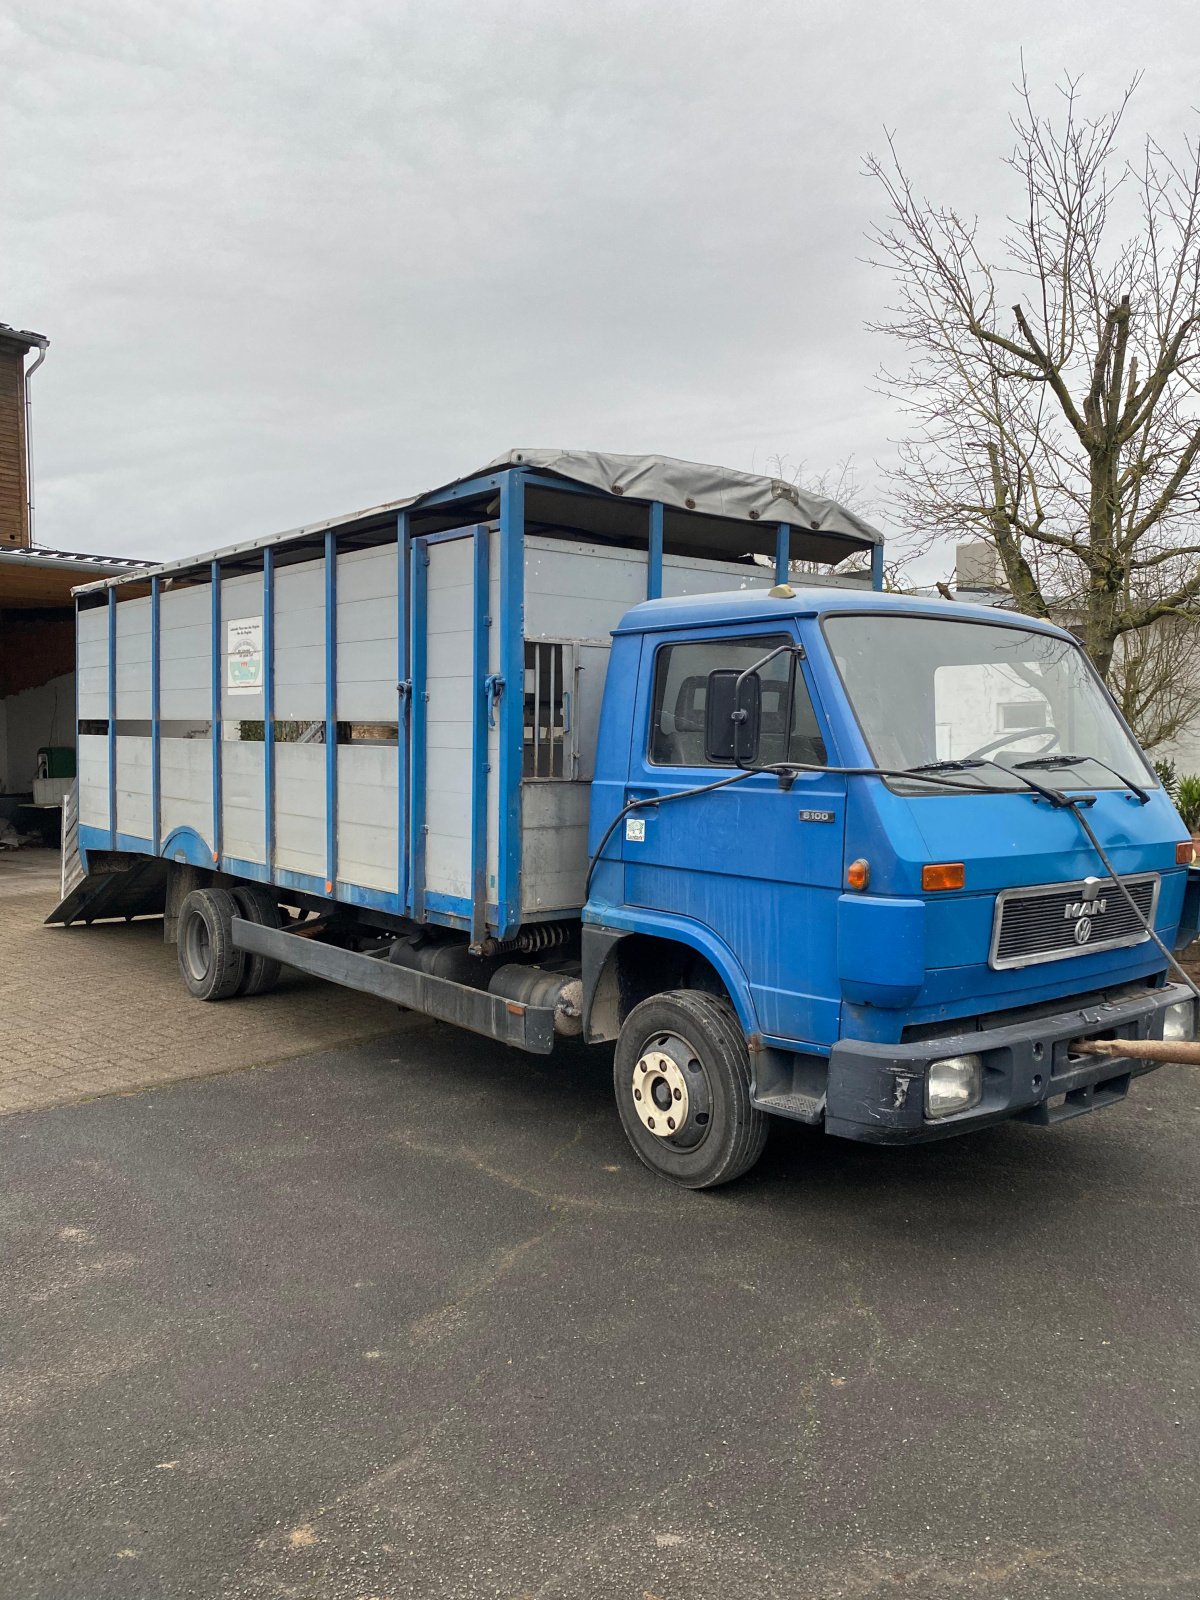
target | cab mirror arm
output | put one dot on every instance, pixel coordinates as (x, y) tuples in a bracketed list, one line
[(733, 713)]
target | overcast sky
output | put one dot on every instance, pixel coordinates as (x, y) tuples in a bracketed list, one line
[(295, 259)]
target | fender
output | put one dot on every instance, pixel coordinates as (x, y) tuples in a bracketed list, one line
[(186, 845), (602, 936)]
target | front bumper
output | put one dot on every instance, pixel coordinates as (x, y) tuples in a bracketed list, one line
[(876, 1092)]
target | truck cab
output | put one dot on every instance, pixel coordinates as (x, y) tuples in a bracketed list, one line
[(851, 823)]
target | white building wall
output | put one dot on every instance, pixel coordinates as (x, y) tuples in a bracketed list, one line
[(29, 720)]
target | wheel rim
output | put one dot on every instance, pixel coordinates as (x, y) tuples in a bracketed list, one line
[(197, 948), (670, 1091)]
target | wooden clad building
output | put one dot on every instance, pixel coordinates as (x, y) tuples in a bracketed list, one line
[(15, 345)]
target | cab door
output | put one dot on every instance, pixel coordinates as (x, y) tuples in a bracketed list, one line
[(758, 864)]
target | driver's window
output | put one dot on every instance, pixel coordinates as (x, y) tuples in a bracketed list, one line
[(788, 733), (978, 704)]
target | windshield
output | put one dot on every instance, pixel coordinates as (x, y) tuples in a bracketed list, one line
[(928, 689)]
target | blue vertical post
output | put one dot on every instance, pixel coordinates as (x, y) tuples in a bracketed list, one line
[(403, 710), (479, 741), (75, 738), (331, 747), (268, 672), (155, 715), (877, 566), (783, 552), (512, 699), (217, 657), (654, 557), (112, 718), (416, 818)]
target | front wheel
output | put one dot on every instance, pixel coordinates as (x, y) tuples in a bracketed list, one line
[(682, 1078)]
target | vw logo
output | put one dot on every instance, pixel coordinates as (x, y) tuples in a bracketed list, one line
[(1083, 930)]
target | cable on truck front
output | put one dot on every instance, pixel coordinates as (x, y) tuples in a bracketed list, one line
[(790, 769), (933, 773)]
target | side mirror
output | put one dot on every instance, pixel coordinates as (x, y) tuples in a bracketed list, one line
[(732, 718)]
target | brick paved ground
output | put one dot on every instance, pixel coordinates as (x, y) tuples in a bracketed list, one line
[(102, 1010)]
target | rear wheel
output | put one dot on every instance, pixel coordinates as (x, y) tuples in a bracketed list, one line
[(212, 968), (682, 1078), (256, 904)]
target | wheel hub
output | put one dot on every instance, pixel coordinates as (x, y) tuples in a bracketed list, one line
[(198, 947), (660, 1094)]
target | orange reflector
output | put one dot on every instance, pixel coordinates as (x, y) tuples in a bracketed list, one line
[(943, 875), (858, 874), (1185, 854)]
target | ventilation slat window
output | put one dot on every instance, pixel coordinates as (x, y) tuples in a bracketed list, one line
[(547, 716)]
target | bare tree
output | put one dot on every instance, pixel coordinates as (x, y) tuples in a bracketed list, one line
[(1052, 382)]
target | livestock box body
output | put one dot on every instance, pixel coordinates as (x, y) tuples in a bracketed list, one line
[(398, 709)]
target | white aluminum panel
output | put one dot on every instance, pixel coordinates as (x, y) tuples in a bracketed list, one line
[(576, 590), (93, 780), (134, 811), (243, 813), (688, 575), (185, 776), (554, 829), (300, 642), (185, 654), (368, 816), (300, 808), (133, 659), (367, 587), (450, 640), (91, 664)]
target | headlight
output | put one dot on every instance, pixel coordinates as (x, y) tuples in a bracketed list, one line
[(954, 1084), (1179, 1020)]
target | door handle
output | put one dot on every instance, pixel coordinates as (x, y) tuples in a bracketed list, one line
[(493, 687)]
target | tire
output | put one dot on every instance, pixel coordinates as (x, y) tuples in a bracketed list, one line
[(211, 967), (684, 1051), (256, 904)]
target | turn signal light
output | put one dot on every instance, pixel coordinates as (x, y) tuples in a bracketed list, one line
[(858, 874), (1185, 853), (943, 875)]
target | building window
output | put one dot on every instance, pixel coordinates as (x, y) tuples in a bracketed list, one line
[(1015, 714)]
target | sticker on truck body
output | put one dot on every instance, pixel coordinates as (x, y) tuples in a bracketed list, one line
[(635, 830), (244, 655)]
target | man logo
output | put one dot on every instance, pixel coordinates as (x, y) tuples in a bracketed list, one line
[(1083, 930), (1085, 908)]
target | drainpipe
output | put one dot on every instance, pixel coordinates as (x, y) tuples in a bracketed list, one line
[(29, 438)]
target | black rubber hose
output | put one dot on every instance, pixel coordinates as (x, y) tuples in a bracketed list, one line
[(1056, 796), (790, 771), (1077, 808)]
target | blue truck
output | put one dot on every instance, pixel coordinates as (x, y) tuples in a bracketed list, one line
[(568, 748)]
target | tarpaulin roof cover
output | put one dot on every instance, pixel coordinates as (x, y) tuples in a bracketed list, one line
[(686, 487), (690, 486)]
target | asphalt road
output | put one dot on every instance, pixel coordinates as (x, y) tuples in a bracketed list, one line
[(410, 1321)]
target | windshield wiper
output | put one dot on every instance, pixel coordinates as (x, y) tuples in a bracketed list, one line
[(969, 763), (964, 765), (1074, 761)]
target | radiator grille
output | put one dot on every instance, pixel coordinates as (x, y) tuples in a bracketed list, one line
[(1069, 919)]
